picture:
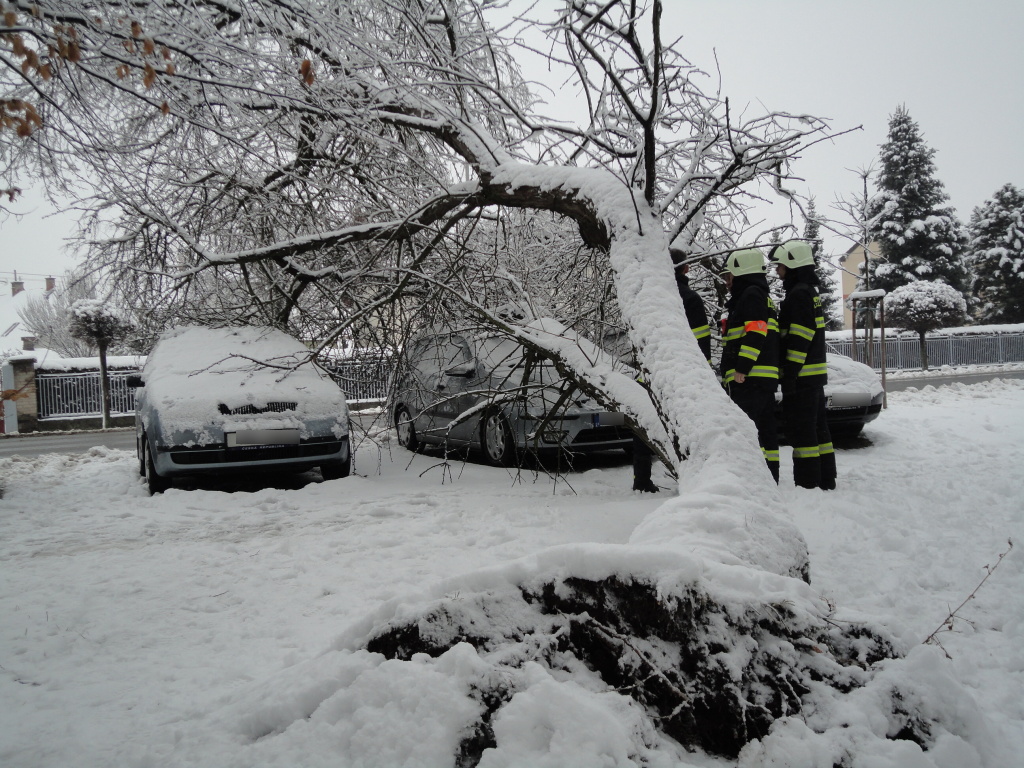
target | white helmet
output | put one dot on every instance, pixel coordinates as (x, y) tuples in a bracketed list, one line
[(792, 254), (749, 261)]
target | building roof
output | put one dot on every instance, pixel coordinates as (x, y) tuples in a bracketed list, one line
[(12, 329)]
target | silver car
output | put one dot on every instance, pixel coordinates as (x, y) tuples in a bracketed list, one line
[(462, 389), (853, 395), (217, 400)]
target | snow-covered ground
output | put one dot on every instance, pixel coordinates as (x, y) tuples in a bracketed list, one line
[(201, 627)]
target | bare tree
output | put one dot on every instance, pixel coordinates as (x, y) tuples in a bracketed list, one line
[(49, 316)]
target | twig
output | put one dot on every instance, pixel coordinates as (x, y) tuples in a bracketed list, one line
[(947, 623)]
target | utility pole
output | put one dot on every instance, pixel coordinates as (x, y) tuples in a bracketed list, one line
[(869, 323)]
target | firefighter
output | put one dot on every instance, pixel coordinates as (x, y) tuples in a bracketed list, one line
[(696, 313), (750, 354), (697, 319), (804, 375)]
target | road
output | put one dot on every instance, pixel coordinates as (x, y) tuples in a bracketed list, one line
[(898, 385), (66, 442), (79, 442)]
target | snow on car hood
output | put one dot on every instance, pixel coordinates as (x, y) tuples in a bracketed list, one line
[(847, 375), (192, 371)]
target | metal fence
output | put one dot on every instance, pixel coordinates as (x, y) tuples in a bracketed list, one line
[(363, 379), (63, 395), (78, 394), (905, 353)]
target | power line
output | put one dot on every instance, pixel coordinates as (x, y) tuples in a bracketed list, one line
[(15, 275)]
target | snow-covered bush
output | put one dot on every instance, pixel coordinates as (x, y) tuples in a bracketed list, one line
[(925, 306), (96, 322)]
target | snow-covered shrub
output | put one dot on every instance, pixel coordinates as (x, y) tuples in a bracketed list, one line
[(96, 322), (925, 306)]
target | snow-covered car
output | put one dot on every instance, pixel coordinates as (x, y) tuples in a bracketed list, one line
[(479, 390), (853, 396), (216, 400)]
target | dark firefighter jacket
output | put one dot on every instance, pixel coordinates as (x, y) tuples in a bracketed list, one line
[(802, 336), (751, 337), (696, 314)]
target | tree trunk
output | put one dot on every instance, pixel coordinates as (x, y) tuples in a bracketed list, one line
[(924, 351), (104, 385)]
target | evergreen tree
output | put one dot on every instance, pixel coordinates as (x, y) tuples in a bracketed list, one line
[(827, 282), (920, 237), (996, 255)]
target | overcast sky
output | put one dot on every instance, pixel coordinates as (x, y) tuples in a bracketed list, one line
[(956, 65)]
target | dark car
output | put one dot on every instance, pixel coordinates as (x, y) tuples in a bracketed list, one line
[(480, 390), (216, 400)]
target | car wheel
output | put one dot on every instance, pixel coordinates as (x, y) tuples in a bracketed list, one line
[(154, 482), (497, 441), (335, 470), (406, 429)]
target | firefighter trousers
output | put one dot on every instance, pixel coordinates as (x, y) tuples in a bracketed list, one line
[(814, 460)]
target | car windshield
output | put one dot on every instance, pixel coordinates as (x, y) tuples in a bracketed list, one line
[(505, 357)]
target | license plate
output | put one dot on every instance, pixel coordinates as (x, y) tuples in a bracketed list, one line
[(247, 437), (609, 420)]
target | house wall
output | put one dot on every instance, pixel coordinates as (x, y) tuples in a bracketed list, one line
[(852, 262), (21, 409)]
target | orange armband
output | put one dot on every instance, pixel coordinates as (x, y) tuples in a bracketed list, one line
[(758, 326)]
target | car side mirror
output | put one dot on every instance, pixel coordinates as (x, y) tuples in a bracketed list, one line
[(134, 381), (466, 370)]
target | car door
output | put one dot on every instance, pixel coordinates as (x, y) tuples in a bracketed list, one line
[(419, 379), (453, 386)]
